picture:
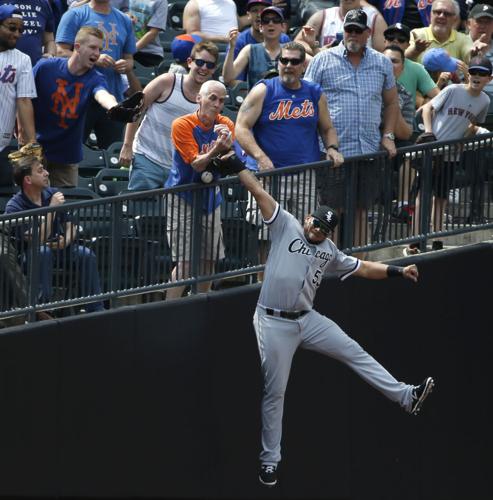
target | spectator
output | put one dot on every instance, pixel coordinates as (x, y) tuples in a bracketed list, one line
[(149, 19), (167, 98), (414, 77), (65, 88), (325, 27), (39, 25), (443, 68), (121, 5), (181, 48), (452, 114), (56, 233), (256, 59), (16, 88), (440, 33), (412, 13), (358, 82), (210, 19), (198, 138), (115, 61)]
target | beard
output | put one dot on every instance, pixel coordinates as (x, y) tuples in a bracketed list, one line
[(353, 47)]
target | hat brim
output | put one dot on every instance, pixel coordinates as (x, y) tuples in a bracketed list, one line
[(358, 25), (482, 68)]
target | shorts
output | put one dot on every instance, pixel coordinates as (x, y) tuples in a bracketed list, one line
[(179, 228), (146, 174), (63, 174)]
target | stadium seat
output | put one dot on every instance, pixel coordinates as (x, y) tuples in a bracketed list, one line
[(237, 94), (111, 181), (92, 161), (175, 14), (113, 154)]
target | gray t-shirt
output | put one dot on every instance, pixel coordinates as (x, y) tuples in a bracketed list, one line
[(295, 267), (149, 14), (455, 109)]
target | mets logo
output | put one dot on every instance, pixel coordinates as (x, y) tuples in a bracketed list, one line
[(63, 105), (7, 74), (286, 111), (110, 37)]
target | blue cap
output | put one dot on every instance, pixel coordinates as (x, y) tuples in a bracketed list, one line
[(182, 45), (8, 10), (439, 60), (275, 10)]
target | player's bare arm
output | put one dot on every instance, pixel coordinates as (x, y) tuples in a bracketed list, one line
[(379, 271), (328, 133), (248, 115), (265, 202)]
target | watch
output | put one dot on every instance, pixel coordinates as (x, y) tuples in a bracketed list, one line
[(390, 136)]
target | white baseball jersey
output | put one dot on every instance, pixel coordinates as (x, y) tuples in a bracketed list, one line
[(16, 80), (295, 267)]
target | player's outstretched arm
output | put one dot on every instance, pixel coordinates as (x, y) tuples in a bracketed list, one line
[(266, 203), (379, 271)]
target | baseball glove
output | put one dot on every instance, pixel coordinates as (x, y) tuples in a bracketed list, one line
[(229, 164), (425, 137), (129, 110), (32, 149)]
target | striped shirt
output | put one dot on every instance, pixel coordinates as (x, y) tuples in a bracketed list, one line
[(354, 95), (16, 80)]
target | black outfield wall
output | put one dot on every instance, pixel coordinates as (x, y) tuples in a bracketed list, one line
[(162, 399)]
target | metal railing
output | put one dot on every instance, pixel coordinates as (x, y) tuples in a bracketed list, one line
[(130, 244)]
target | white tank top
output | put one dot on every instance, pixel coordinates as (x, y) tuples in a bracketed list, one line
[(333, 24), (217, 17), (153, 138)]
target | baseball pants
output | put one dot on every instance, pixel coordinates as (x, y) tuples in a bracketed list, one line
[(279, 338)]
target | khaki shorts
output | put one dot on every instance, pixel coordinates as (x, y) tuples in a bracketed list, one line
[(179, 227), (63, 174)]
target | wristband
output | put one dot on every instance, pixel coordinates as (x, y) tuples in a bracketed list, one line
[(393, 271)]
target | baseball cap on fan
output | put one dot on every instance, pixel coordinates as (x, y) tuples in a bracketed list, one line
[(327, 217), (275, 10), (482, 63), (8, 11), (481, 10), (356, 17), (251, 3), (398, 28), (182, 45), (439, 60)]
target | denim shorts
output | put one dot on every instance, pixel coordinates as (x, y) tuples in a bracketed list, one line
[(146, 174)]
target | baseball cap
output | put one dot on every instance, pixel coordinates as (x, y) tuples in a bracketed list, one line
[(398, 28), (8, 10), (356, 17), (275, 10), (182, 45), (481, 10), (251, 3), (327, 217), (439, 60), (481, 63)]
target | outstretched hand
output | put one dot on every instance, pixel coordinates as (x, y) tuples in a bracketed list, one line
[(411, 273)]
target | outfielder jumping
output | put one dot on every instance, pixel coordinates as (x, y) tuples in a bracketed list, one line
[(285, 319)]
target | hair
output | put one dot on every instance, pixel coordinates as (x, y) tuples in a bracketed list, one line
[(23, 167), (396, 48), (87, 31), (209, 46), (295, 46), (452, 3), (206, 86)]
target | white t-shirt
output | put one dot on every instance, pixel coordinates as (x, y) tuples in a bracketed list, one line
[(217, 17)]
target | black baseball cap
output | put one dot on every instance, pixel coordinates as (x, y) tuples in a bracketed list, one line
[(356, 17), (481, 10), (481, 63), (270, 10), (327, 217), (398, 28), (251, 3)]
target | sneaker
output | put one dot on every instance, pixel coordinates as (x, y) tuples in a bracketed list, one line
[(420, 393), (410, 250), (268, 475)]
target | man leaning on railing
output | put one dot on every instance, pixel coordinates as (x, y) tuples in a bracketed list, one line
[(55, 232)]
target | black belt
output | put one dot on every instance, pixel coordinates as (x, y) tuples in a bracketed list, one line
[(285, 314)]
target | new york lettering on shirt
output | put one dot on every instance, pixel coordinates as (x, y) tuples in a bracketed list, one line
[(284, 111), (65, 106), (110, 36), (462, 112)]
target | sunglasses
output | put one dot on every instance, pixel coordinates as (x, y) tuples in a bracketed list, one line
[(13, 28), (201, 62), (318, 224), (479, 72), (445, 13), (353, 29), (398, 38), (268, 20), (295, 61)]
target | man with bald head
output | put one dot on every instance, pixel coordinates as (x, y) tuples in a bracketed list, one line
[(198, 138)]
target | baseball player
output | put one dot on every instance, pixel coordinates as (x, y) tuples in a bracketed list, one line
[(285, 319)]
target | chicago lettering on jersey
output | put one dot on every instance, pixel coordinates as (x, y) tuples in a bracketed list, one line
[(63, 105), (7, 74), (298, 246), (286, 111), (109, 36)]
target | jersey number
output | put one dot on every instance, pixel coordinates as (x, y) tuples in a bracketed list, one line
[(316, 277)]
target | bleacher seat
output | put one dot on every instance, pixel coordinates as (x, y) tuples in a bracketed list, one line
[(175, 14), (111, 181), (92, 161), (113, 154), (237, 94)]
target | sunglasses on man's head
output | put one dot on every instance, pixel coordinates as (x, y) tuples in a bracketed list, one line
[(268, 20), (353, 29), (319, 225), (295, 61), (396, 38), (479, 72), (201, 62)]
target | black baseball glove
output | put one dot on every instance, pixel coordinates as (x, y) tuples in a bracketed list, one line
[(425, 137), (129, 110), (228, 164)]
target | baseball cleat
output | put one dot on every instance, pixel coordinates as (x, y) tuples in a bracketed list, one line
[(420, 393), (268, 475)]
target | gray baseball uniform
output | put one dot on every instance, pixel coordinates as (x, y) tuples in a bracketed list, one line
[(293, 273)]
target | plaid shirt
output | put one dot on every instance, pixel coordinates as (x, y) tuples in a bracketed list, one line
[(354, 95)]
